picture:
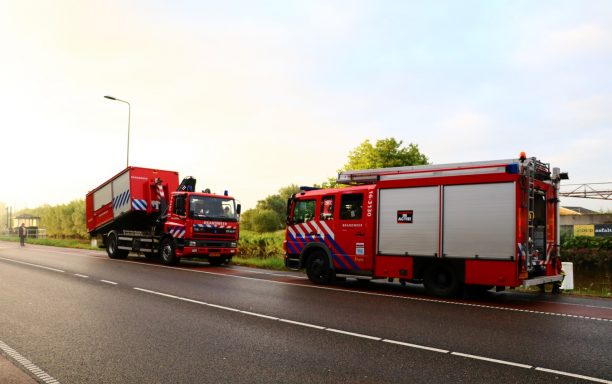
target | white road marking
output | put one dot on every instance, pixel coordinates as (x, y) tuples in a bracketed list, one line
[(259, 315), (109, 282), (28, 365), (353, 334), (83, 276), (595, 379), (301, 324), (374, 338), (492, 360), (34, 265), (416, 346)]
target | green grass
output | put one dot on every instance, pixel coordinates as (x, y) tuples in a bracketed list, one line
[(275, 263), (66, 243)]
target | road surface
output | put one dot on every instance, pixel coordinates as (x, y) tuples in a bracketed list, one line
[(76, 316)]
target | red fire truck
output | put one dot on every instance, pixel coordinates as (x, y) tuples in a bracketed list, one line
[(132, 212), (481, 224)]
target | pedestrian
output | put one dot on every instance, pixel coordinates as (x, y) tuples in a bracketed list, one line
[(22, 234)]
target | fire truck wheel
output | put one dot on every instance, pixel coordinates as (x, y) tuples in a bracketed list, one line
[(441, 279), (318, 269), (167, 252), (112, 247)]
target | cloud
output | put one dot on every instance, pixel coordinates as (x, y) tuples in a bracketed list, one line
[(593, 110), (546, 48)]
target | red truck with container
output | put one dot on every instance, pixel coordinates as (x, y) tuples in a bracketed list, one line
[(481, 224), (147, 211)]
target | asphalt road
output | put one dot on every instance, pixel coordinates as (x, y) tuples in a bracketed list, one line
[(73, 316)]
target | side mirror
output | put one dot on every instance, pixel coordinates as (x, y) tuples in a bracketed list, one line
[(238, 208)]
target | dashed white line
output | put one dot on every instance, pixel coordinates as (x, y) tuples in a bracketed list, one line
[(109, 282), (259, 315), (302, 324), (353, 334), (375, 338), (416, 346), (28, 365), (83, 276), (492, 360), (595, 379)]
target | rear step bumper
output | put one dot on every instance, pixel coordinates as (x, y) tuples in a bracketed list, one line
[(542, 280)]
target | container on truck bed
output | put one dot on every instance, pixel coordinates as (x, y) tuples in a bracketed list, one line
[(147, 211)]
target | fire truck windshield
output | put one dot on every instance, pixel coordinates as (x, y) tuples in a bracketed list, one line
[(212, 208)]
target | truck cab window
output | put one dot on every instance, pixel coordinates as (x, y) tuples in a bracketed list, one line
[(351, 206), (179, 205), (327, 208), (303, 211)]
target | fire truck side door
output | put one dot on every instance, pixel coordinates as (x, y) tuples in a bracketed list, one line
[(354, 246)]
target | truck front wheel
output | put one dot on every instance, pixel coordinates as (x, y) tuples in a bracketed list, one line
[(318, 269), (112, 247), (167, 252)]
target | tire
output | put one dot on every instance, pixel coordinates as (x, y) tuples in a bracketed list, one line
[(112, 247), (167, 251), (441, 280), (318, 269)]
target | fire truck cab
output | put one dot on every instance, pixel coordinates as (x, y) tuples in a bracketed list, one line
[(482, 224)]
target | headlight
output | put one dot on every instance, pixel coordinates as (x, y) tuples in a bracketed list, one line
[(192, 244), (233, 245)]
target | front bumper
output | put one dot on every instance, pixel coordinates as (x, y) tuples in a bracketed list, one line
[(195, 248)]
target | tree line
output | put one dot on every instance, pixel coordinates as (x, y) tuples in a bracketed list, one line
[(62, 221), (68, 220)]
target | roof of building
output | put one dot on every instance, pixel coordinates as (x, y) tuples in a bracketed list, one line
[(24, 216), (576, 211)]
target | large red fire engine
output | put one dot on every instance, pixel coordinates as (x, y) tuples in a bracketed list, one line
[(134, 211), (483, 224)]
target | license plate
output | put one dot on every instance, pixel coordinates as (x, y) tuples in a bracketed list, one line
[(215, 254)]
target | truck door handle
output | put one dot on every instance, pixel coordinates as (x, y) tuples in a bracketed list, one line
[(359, 234)]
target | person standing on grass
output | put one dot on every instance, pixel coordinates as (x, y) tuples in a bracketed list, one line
[(22, 234)]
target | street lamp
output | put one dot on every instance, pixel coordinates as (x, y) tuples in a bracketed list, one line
[(129, 113)]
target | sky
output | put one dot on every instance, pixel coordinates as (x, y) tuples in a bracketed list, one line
[(251, 96)]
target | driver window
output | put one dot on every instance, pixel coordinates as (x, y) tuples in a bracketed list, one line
[(179, 205), (304, 210)]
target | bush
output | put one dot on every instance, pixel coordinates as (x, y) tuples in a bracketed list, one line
[(586, 242), (261, 245)]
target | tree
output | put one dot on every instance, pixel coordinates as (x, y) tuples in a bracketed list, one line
[(266, 220), (386, 153), (260, 219)]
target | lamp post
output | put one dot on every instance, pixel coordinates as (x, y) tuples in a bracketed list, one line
[(128, 138)]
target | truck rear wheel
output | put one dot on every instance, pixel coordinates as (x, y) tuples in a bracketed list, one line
[(441, 280), (112, 247), (318, 269), (167, 252)]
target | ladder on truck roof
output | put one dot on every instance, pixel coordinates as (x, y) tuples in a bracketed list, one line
[(369, 176)]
